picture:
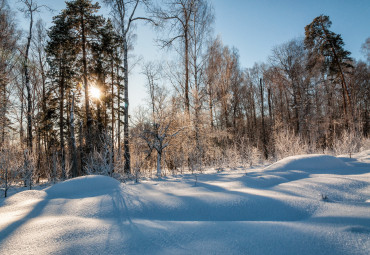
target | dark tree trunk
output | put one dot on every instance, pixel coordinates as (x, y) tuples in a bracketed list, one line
[(86, 87), (61, 122), (263, 128), (187, 102), (112, 107), (127, 167), (28, 87), (72, 139)]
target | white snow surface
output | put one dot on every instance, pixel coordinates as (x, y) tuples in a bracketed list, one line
[(308, 162), (310, 204)]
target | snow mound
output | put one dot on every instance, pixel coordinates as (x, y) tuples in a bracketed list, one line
[(308, 162), (363, 156), (25, 197), (86, 186)]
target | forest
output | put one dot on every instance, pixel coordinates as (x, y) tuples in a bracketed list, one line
[(64, 102)]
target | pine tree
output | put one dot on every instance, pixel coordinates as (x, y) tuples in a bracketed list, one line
[(82, 51), (321, 41), (60, 51), (84, 28)]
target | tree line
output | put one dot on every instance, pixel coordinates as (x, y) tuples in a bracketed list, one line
[(65, 106)]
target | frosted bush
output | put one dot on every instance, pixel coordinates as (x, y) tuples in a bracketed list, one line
[(288, 144), (348, 142)]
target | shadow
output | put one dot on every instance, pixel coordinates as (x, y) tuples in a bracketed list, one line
[(127, 229), (231, 206), (352, 223), (271, 178), (35, 212), (53, 194)]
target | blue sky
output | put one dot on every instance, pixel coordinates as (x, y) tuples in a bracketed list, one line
[(254, 27)]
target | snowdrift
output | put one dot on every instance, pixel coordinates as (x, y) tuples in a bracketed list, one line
[(85, 186), (25, 197), (314, 162), (310, 204)]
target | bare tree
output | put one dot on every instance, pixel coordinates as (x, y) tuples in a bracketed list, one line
[(200, 31), (30, 8), (289, 61), (152, 72), (8, 57), (366, 49), (176, 18), (158, 132), (124, 12), (212, 74)]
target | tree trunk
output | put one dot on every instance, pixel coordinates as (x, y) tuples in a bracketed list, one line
[(127, 167), (3, 114), (263, 128), (187, 103), (28, 87), (269, 104), (73, 140), (6, 179), (211, 110), (21, 131), (112, 106), (81, 170), (86, 87), (159, 167), (296, 114), (61, 123), (118, 114)]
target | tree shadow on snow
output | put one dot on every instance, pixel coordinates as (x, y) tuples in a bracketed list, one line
[(8, 231)]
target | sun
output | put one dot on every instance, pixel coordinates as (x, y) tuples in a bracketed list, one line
[(95, 92)]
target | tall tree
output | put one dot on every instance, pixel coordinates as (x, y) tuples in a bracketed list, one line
[(40, 74), (72, 140), (124, 12), (200, 30), (8, 43), (212, 74), (177, 16), (289, 71), (61, 51), (85, 24), (321, 41), (30, 8)]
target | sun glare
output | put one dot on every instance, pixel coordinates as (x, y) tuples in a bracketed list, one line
[(95, 92)]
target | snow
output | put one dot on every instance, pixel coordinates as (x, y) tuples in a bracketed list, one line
[(308, 162), (309, 204), (85, 186)]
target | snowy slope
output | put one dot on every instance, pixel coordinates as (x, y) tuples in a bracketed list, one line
[(312, 204)]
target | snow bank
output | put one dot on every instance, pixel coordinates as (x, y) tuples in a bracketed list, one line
[(25, 197), (314, 162), (85, 186)]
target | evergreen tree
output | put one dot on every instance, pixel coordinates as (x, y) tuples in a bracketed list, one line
[(84, 28), (82, 52), (61, 52), (323, 42)]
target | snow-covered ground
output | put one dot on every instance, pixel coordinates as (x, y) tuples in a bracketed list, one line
[(312, 204)]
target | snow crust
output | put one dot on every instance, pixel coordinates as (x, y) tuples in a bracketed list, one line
[(310, 204)]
